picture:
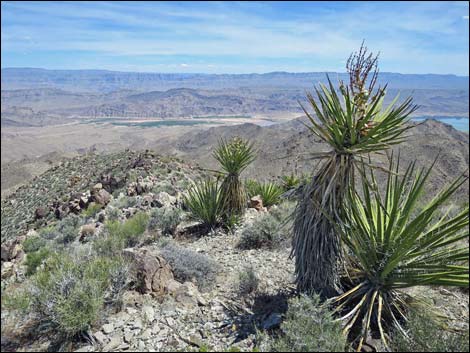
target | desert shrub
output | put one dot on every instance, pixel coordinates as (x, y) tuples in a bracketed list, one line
[(204, 202), (426, 335), (166, 219), (270, 192), (49, 233), (69, 292), (266, 231), (308, 326), (33, 243), (16, 299), (123, 202), (131, 229), (164, 186), (248, 282), (113, 213), (35, 259), (188, 265), (92, 209), (68, 229)]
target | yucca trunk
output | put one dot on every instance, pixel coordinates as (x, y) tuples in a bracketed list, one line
[(234, 195), (315, 245)]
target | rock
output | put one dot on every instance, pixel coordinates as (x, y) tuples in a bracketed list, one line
[(164, 199), (113, 343), (11, 250), (273, 321), (195, 340), (87, 231), (102, 197), (146, 334), (100, 337), (87, 348), (172, 286), (97, 187), (128, 336), (187, 294), (256, 202), (7, 269), (152, 271), (108, 328), (148, 313), (40, 213)]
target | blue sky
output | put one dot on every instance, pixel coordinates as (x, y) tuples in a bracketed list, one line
[(234, 37)]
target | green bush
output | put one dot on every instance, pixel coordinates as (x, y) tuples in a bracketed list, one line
[(33, 243), (70, 293), (92, 209), (266, 231), (270, 192), (35, 259), (425, 335), (248, 282), (166, 219), (16, 299), (290, 182), (308, 326), (122, 235), (49, 233), (188, 265)]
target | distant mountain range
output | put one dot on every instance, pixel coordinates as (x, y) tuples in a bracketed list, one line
[(104, 81), (32, 97)]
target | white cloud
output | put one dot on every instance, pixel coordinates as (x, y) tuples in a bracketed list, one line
[(465, 17), (184, 65)]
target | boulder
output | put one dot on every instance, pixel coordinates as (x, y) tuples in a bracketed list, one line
[(256, 202), (151, 270), (40, 213), (12, 249), (87, 231), (7, 269), (164, 199), (101, 197)]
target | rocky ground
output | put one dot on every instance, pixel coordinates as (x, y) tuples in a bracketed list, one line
[(165, 313)]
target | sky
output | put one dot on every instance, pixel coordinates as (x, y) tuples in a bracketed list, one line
[(234, 37)]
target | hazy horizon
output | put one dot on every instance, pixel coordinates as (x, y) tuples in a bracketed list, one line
[(222, 73)]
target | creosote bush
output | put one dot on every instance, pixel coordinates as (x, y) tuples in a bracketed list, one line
[(35, 259), (308, 326), (188, 265)]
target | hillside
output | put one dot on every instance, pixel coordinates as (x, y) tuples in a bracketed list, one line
[(284, 148), (178, 290)]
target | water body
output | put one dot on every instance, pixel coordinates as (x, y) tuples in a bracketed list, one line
[(459, 123)]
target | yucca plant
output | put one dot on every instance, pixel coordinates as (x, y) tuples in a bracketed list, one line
[(290, 181), (270, 192), (234, 156), (392, 247), (204, 201), (352, 123)]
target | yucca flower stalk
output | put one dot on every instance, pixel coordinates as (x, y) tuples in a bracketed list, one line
[(234, 156), (352, 123), (393, 246)]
